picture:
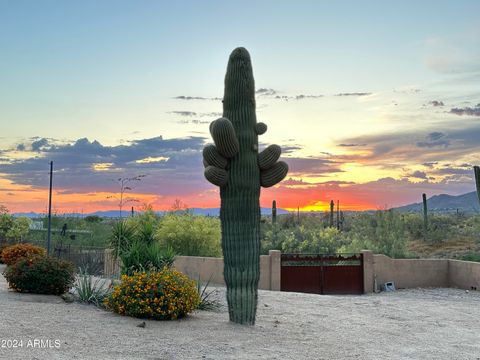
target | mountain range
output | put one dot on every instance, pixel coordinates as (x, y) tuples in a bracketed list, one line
[(465, 203), (115, 213)]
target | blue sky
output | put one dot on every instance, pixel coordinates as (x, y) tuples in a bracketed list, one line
[(382, 76)]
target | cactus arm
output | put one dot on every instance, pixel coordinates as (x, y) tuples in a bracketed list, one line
[(225, 138), (211, 156), (216, 175), (268, 157), (273, 175), (260, 128)]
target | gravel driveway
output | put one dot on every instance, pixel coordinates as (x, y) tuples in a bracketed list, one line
[(407, 324)]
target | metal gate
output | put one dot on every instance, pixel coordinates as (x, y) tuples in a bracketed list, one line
[(322, 274)]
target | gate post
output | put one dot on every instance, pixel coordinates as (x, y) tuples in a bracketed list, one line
[(275, 269), (368, 271)]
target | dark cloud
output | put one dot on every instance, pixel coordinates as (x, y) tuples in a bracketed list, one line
[(170, 164), (452, 171), (183, 97), (302, 96), (430, 164), (21, 147), (436, 103), (194, 121), (354, 94), (184, 113), (433, 139), (287, 149), (37, 145), (351, 145), (265, 92), (297, 97), (469, 111), (453, 142), (418, 175), (312, 166)]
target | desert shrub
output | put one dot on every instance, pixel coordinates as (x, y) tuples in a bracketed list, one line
[(90, 290), (383, 232), (164, 295), (190, 235), (40, 275), (311, 240), (93, 219), (140, 257), (13, 253)]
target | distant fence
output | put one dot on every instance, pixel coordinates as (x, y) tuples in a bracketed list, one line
[(89, 259)]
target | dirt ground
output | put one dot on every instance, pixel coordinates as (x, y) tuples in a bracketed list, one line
[(406, 324)]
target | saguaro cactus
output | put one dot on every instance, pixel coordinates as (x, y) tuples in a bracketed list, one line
[(332, 205), (425, 215), (476, 170), (235, 165), (274, 212)]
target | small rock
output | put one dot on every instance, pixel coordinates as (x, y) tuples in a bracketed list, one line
[(467, 291), (266, 305), (67, 297), (142, 324)]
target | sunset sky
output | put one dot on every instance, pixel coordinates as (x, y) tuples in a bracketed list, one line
[(373, 102)]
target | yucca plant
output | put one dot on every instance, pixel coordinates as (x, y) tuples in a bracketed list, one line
[(91, 290), (123, 235), (207, 301), (141, 257)]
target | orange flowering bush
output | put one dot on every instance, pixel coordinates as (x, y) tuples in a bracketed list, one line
[(40, 275), (164, 295), (11, 254)]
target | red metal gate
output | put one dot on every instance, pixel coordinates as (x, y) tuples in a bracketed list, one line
[(322, 274)]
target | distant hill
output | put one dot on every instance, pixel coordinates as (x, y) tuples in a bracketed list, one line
[(125, 213), (466, 203)]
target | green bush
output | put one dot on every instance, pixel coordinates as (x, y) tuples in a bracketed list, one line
[(140, 257), (163, 295), (190, 235), (40, 275)]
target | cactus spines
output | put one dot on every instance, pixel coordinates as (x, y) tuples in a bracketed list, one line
[(236, 139), (223, 134), (216, 175), (260, 128), (273, 175), (268, 157), (476, 170), (212, 157)]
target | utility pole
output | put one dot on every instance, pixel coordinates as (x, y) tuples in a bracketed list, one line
[(49, 233)]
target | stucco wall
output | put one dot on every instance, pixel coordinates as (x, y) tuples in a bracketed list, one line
[(464, 274), (411, 273), (206, 268)]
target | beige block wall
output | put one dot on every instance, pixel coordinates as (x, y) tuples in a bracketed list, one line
[(207, 268), (411, 273), (464, 274)]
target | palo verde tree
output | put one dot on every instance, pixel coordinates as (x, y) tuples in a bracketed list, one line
[(235, 165)]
